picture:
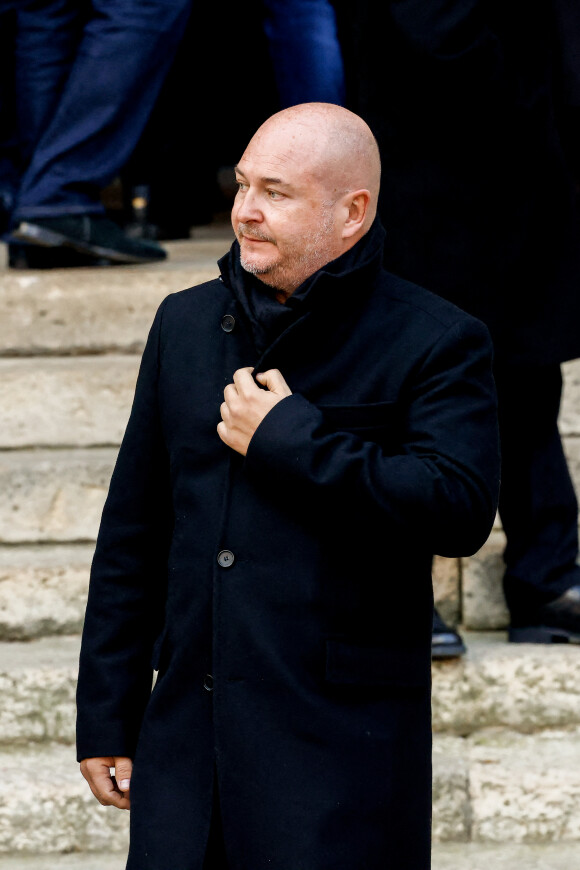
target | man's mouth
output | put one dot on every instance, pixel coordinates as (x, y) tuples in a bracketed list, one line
[(253, 237)]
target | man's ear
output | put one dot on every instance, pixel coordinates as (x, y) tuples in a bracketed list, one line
[(356, 204)]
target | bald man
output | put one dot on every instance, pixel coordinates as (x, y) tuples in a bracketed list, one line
[(307, 431)]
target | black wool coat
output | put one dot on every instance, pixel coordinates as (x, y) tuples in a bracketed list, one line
[(476, 108), (288, 575)]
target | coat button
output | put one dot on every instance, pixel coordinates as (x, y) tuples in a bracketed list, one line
[(208, 683), (225, 558), (228, 323)]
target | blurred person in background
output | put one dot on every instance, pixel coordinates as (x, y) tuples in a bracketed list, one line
[(86, 77), (293, 43), (476, 109), (305, 51)]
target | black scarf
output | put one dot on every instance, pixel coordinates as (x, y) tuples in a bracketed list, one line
[(267, 317)]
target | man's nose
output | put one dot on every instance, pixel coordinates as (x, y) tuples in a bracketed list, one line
[(247, 207)]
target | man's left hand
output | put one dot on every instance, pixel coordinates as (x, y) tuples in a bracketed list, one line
[(246, 405)]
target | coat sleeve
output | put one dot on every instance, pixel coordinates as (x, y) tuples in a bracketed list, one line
[(124, 611), (443, 478)]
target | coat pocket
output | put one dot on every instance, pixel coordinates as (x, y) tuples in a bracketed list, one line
[(378, 421), (356, 665), (368, 416)]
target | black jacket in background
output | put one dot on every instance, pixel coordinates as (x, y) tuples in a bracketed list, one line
[(476, 107)]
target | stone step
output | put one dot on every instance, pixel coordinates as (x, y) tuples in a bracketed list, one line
[(85, 401), (53, 495), (495, 787), (56, 496), (570, 411), (499, 786), (525, 688), (100, 310), (446, 856), (483, 602), (473, 856), (47, 807), (79, 861), (79, 402), (43, 590)]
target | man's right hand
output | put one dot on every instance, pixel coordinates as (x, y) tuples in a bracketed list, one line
[(110, 791)]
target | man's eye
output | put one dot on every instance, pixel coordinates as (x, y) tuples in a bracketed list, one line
[(241, 185), (274, 194)]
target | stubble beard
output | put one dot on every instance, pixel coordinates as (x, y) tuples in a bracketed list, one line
[(307, 258)]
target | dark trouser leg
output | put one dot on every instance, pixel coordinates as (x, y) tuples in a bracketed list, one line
[(305, 51), (124, 53), (538, 505), (46, 40), (9, 144)]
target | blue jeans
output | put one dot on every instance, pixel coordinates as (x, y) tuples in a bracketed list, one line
[(305, 50), (89, 77)]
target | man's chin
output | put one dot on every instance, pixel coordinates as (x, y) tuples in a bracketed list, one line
[(255, 267)]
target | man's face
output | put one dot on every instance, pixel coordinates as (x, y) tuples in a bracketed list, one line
[(284, 215)]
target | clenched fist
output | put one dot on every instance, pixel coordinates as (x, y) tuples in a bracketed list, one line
[(245, 405)]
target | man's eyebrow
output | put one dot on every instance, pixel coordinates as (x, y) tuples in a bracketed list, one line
[(267, 179)]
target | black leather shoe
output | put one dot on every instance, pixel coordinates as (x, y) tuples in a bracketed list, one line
[(446, 643), (93, 235), (23, 256), (555, 622)]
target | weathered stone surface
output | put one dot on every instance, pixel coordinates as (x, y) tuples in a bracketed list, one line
[(446, 856), (525, 788), (53, 495), (521, 686), (60, 402), (484, 607), (94, 861), (572, 451), (481, 856), (64, 311), (37, 686), (498, 788), (43, 590), (446, 588), (46, 806), (451, 807), (503, 787), (570, 411)]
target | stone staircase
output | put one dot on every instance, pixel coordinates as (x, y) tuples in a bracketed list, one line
[(506, 718)]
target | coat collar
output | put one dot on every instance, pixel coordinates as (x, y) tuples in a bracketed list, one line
[(342, 281)]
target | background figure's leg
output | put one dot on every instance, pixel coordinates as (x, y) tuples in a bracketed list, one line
[(124, 54), (538, 505), (9, 146), (46, 40), (305, 51)]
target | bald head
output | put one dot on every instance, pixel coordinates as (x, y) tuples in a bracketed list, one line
[(308, 185), (333, 144)]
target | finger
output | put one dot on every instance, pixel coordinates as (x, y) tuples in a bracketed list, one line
[(123, 771), (274, 381), (119, 799), (244, 381), (97, 773), (225, 412), (222, 431), (230, 392)]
